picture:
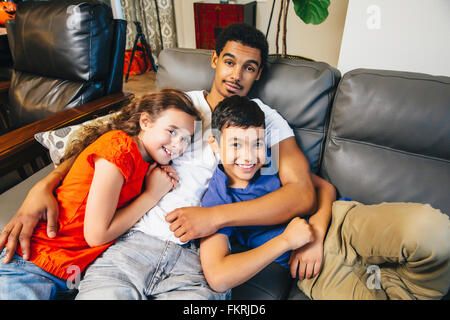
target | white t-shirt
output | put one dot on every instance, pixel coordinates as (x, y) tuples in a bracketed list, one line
[(196, 166)]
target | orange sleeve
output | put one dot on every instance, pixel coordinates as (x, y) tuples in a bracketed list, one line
[(116, 147)]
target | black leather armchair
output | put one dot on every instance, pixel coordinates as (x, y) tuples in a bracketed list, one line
[(68, 63)]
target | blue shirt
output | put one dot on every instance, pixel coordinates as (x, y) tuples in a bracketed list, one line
[(251, 236)]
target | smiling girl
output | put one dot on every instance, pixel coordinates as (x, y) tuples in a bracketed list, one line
[(114, 180)]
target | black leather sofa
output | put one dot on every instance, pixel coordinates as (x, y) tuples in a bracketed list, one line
[(376, 135)]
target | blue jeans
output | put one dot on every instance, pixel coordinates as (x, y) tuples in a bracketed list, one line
[(23, 280), (139, 267)]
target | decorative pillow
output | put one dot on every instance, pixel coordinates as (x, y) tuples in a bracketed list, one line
[(56, 141)]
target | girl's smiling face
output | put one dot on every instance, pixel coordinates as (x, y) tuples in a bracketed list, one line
[(167, 137)]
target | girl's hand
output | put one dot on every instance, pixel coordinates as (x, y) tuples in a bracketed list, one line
[(172, 173), (307, 260), (158, 182), (297, 233)]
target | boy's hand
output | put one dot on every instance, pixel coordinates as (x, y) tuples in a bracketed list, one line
[(189, 223), (307, 260), (297, 233)]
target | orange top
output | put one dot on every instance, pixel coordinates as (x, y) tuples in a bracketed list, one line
[(69, 247)]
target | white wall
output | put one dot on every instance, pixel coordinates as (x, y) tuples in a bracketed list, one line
[(321, 42), (185, 24), (318, 42), (407, 35)]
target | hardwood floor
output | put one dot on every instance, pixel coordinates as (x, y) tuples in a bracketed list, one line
[(140, 84)]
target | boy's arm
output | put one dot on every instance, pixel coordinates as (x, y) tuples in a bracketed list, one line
[(296, 197), (307, 261), (224, 271), (326, 195), (39, 204)]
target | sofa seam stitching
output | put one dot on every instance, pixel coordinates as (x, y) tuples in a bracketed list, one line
[(393, 76), (388, 148)]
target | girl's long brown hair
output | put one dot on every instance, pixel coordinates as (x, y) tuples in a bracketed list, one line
[(127, 119)]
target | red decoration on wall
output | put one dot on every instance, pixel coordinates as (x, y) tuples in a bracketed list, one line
[(211, 18)]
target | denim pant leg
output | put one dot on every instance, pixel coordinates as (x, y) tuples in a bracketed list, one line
[(23, 280), (180, 276), (138, 266), (119, 272)]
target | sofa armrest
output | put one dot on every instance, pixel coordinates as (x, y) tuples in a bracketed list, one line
[(19, 146), (4, 88)]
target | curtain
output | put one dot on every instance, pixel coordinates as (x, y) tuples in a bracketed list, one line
[(160, 33)]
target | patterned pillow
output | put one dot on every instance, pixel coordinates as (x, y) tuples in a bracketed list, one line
[(56, 141)]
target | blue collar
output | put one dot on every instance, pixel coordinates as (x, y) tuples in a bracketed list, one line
[(224, 177)]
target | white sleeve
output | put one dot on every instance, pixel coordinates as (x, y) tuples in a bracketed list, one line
[(277, 129)]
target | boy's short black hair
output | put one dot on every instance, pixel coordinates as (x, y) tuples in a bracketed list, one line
[(245, 34), (236, 111)]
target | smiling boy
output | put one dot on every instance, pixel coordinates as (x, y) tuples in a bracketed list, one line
[(238, 139)]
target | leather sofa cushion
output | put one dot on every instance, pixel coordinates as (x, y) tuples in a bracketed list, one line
[(185, 69), (389, 138), (56, 48), (33, 97), (301, 91)]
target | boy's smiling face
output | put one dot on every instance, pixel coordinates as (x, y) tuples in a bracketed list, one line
[(242, 152)]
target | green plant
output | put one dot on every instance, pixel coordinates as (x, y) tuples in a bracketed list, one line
[(310, 11)]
